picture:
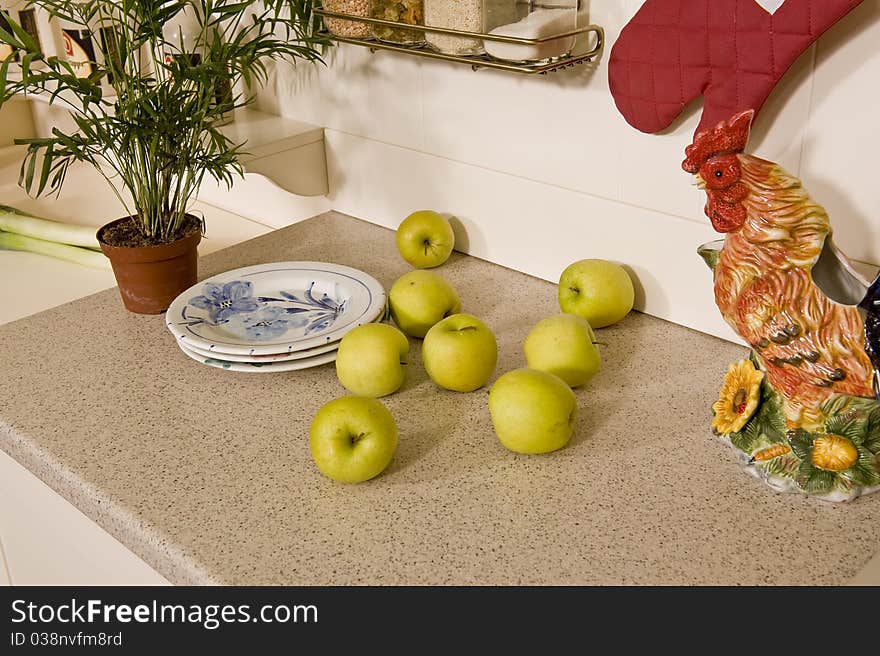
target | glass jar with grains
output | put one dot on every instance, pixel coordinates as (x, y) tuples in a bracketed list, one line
[(351, 29), (464, 15), (409, 12)]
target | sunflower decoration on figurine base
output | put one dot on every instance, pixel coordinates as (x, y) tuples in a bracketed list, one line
[(833, 457)]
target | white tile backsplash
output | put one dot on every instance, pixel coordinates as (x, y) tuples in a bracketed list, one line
[(500, 124), (840, 166), (561, 136), (528, 226), (376, 96)]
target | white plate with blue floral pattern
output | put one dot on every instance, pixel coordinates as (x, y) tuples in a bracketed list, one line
[(261, 367), (275, 308)]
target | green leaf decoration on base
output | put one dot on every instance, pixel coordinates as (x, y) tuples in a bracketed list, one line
[(767, 425), (801, 443), (813, 480), (747, 439), (784, 466), (837, 405), (864, 472), (872, 431), (850, 425), (770, 416)]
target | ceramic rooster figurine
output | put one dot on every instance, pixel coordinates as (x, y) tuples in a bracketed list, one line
[(803, 410)]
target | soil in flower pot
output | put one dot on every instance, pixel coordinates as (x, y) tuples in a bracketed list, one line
[(150, 275)]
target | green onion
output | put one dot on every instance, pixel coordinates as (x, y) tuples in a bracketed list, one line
[(84, 256), (13, 220)]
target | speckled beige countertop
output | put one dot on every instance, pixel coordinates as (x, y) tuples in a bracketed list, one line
[(206, 474)]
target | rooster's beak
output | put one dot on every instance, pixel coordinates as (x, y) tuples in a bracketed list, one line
[(698, 180)]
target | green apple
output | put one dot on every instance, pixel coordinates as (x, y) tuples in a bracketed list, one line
[(460, 353), (532, 411), (419, 299), (425, 239), (597, 290), (371, 360), (563, 345), (353, 439)]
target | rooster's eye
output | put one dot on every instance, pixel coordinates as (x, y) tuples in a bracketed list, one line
[(718, 173)]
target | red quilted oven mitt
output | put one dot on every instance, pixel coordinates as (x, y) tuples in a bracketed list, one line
[(733, 52)]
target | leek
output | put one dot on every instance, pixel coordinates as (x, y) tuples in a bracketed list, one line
[(13, 220), (84, 256)]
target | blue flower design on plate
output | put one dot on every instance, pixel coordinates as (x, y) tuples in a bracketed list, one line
[(265, 318), (326, 302), (266, 323), (321, 312), (224, 302)]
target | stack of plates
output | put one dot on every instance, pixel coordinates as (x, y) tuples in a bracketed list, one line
[(283, 316)]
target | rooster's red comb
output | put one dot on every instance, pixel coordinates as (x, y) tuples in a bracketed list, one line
[(724, 139)]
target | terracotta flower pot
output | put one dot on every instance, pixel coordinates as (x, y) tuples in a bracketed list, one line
[(150, 277)]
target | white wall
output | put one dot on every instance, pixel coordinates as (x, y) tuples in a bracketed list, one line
[(543, 170)]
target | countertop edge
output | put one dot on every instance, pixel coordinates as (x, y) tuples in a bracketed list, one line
[(143, 540)]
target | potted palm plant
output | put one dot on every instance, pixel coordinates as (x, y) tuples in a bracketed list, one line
[(148, 84)]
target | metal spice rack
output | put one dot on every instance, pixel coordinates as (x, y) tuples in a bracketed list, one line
[(476, 62)]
